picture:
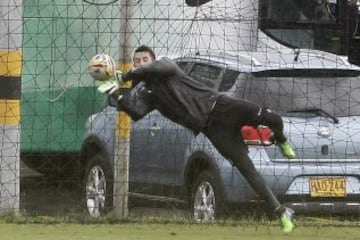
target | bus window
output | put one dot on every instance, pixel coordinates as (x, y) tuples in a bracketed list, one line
[(327, 25)]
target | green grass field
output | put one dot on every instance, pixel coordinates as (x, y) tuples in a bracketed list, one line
[(58, 215), (164, 223), (176, 231)]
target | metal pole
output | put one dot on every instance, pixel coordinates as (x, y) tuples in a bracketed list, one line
[(10, 94), (122, 148)]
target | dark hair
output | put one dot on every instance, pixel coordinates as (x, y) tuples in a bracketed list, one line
[(144, 48)]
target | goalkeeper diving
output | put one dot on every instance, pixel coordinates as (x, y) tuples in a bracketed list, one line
[(162, 85)]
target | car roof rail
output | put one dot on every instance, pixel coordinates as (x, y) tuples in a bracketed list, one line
[(239, 57)]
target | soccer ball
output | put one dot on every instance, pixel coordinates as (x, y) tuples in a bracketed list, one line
[(102, 67)]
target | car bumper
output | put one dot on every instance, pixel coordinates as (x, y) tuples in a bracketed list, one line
[(325, 207)]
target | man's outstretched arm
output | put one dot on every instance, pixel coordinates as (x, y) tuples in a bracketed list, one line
[(163, 67), (135, 102)]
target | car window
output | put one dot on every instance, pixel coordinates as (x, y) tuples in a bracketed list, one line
[(335, 95), (228, 81), (182, 65), (206, 74)]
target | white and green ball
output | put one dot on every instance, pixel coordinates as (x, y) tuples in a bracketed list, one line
[(102, 67)]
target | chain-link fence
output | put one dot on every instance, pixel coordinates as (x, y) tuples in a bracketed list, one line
[(61, 139)]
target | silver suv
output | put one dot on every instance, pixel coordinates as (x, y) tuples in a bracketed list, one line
[(318, 99)]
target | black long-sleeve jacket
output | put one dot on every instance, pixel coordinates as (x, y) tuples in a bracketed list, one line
[(165, 87)]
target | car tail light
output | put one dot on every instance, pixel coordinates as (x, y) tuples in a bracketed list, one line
[(261, 135)]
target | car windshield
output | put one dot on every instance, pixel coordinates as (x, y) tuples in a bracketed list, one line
[(337, 96)]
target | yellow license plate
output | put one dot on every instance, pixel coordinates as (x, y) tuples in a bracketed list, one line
[(328, 187)]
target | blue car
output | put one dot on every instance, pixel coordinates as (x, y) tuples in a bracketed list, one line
[(318, 99)]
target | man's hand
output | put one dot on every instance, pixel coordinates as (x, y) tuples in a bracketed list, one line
[(111, 88)]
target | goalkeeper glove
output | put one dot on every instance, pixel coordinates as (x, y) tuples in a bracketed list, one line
[(118, 76), (111, 88)]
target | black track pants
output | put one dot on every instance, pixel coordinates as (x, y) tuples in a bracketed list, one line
[(223, 130)]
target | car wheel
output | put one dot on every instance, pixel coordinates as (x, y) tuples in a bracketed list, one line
[(98, 187), (206, 201)]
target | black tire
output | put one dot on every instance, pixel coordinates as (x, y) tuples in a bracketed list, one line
[(212, 207), (97, 187)]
